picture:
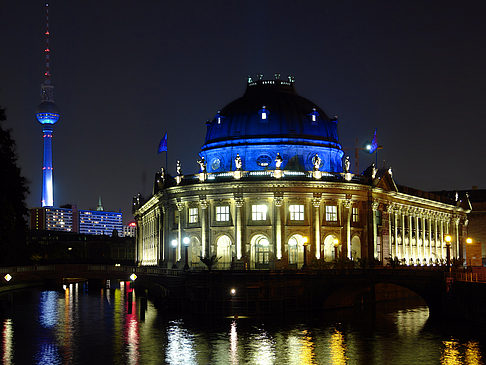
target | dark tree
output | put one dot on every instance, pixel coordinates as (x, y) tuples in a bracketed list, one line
[(13, 191)]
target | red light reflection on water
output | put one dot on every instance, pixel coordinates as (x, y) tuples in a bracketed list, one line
[(131, 328)]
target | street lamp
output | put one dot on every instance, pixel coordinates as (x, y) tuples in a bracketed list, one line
[(448, 239), (469, 240), (304, 244), (335, 242), (186, 241)]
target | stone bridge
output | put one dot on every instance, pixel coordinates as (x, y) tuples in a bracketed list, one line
[(262, 292)]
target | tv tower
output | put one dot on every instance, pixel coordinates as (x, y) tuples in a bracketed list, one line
[(47, 115)]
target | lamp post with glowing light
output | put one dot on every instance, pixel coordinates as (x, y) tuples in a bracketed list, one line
[(304, 244), (469, 241), (448, 239), (186, 241), (335, 242)]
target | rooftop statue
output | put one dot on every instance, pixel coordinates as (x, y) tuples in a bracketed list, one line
[(278, 161), (202, 164)]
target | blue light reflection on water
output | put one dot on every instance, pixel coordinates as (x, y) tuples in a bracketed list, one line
[(48, 308), (105, 327)]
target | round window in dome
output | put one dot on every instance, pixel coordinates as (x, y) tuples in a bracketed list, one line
[(215, 164), (264, 160)]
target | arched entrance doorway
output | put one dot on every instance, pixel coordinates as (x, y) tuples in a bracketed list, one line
[(223, 252), (295, 251), (261, 252), (194, 253), (355, 248), (329, 252)]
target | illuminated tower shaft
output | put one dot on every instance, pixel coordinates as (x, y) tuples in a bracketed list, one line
[(47, 115), (47, 188)]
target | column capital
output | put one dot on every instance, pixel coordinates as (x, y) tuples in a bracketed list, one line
[(316, 202), (347, 203), (375, 205), (203, 202), (239, 202), (180, 206), (278, 199)]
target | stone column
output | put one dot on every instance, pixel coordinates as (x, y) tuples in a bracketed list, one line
[(374, 207), (456, 221), (139, 240), (204, 226), (238, 229), (396, 252), (418, 237), (278, 202), (441, 240), (410, 245), (391, 234), (163, 235), (402, 219), (347, 225), (424, 253), (316, 203), (180, 208)]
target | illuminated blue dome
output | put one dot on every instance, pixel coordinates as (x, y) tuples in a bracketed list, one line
[(47, 113), (272, 118)]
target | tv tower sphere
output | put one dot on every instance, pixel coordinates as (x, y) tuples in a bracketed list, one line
[(47, 113)]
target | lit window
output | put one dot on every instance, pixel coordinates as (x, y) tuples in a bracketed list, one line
[(296, 212), (193, 215), (331, 213), (264, 113), (355, 215), (258, 212), (222, 213)]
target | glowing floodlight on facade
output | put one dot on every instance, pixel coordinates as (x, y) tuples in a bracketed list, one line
[(8, 277), (133, 277)]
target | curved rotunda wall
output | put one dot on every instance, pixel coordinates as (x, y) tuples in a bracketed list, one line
[(272, 118)]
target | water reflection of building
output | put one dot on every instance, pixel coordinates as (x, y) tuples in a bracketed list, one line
[(272, 185)]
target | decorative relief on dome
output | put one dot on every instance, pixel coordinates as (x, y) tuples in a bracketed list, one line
[(215, 164), (264, 160)]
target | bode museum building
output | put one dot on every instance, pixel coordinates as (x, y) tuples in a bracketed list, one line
[(275, 191)]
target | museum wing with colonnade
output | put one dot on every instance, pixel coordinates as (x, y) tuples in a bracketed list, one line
[(274, 190)]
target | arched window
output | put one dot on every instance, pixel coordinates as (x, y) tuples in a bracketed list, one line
[(261, 250), (295, 250)]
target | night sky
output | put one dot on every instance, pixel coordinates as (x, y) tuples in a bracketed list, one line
[(126, 72)]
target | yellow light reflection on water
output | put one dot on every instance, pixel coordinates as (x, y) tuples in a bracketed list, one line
[(7, 342), (450, 353), (338, 349), (473, 353), (307, 355)]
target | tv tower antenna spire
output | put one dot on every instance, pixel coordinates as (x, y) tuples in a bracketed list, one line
[(47, 114)]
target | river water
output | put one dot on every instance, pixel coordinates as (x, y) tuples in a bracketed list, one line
[(74, 326)]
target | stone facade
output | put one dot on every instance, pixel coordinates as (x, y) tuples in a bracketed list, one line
[(267, 223)]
